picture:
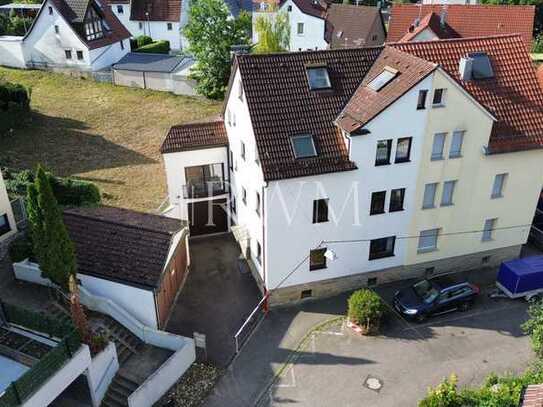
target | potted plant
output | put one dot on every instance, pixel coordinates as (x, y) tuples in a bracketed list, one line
[(365, 311)]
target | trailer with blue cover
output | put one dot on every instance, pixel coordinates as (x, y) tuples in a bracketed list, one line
[(521, 277)]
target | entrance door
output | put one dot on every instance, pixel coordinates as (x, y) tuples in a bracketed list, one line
[(202, 222)]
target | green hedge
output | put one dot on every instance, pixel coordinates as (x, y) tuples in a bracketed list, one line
[(36, 321), (14, 106), (143, 40), (69, 192), (157, 47)]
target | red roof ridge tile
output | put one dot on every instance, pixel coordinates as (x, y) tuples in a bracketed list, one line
[(463, 39)]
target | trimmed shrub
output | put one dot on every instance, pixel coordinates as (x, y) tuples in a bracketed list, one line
[(157, 47), (143, 40), (21, 249), (365, 309), (67, 191), (14, 106)]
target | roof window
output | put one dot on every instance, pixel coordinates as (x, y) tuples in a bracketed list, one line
[(318, 78), (475, 66), (303, 146), (382, 79)]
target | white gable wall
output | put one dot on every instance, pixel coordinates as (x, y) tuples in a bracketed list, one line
[(289, 241), (425, 35), (104, 57), (313, 36)]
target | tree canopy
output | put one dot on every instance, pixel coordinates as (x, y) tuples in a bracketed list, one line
[(211, 32), (273, 32)]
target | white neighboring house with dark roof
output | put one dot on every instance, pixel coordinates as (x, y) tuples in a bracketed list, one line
[(7, 221), (155, 71), (358, 166), (321, 25), (68, 34)]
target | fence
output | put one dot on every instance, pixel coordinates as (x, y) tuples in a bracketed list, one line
[(19, 212), (34, 378)]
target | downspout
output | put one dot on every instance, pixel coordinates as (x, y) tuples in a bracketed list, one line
[(264, 250)]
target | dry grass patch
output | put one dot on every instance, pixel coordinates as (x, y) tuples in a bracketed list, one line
[(107, 134)]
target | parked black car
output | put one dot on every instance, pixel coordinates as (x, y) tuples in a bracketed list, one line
[(434, 296)]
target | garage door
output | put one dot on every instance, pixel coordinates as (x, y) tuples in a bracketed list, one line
[(208, 217)]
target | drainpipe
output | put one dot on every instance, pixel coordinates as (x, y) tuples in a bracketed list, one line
[(264, 251)]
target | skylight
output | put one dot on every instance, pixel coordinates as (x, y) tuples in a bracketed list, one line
[(318, 78), (481, 67), (382, 79), (303, 146)]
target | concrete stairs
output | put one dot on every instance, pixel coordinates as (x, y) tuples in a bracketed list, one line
[(120, 388), (126, 342)]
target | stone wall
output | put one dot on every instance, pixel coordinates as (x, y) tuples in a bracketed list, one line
[(330, 287)]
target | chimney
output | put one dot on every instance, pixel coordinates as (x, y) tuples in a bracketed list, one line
[(443, 16), (465, 68)]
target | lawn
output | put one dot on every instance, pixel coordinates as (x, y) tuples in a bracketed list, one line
[(107, 134)]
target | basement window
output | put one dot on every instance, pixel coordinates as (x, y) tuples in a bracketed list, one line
[(383, 79), (303, 146), (318, 78)]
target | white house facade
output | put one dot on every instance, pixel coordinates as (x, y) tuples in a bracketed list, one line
[(160, 20), (318, 25), (60, 38), (7, 221), (354, 167)]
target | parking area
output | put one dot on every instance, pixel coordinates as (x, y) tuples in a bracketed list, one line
[(216, 298), (339, 367)]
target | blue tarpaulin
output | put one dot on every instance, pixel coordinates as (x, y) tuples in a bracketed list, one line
[(522, 275)]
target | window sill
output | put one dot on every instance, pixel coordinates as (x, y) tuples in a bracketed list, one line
[(444, 205), (428, 207), (396, 210), (321, 221), (438, 105), (315, 268), (496, 196), (455, 156), (427, 250), (421, 108), (377, 213), (441, 158), (381, 256), (402, 161), (378, 164)]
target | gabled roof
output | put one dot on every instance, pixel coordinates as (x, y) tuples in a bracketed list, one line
[(350, 25), (366, 103), (513, 95), (158, 10), (120, 244), (311, 7), (195, 136), (74, 11), (282, 105), (433, 22), (466, 20)]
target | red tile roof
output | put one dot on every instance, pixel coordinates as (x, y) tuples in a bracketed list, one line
[(349, 25), (539, 74), (513, 96), (282, 105), (467, 20), (366, 103), (433, 22), (195, 136), (311, 7), (532, 396), (159, 10)]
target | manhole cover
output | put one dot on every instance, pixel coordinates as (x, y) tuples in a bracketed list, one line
[(373, 383)]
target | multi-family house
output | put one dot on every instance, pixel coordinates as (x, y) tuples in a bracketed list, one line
[(435, 21), (343, 168), (81, 35), (324, 25), (7, 221), (160, 20)]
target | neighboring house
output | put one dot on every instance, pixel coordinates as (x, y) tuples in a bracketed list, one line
[(7, 221), (319, 25), (450, 2), (357, 166), (136, 259), (155, 71), (415, 22), (20, 9), (80, 35), (158, 19)]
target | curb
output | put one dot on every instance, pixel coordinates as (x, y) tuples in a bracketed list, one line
[(293, 355)]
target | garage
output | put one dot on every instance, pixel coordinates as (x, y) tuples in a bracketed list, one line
[(206, 217), (167, 73)]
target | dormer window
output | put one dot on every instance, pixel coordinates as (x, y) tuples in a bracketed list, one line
[(318, 78), (381, 80), (303, 146), (475, 66)]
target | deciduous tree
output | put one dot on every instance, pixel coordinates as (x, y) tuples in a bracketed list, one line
[(273, 31)]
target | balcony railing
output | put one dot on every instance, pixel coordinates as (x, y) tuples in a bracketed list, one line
[(204, 190)]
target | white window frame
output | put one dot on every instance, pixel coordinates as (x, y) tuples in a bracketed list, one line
[(298, 25), (441, 103), (488, 229), (435, 156), (428, 234), (498, 194), (424, 200), (447, 194), (458, 139)]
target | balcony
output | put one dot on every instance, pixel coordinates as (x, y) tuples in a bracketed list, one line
[(204, 189)]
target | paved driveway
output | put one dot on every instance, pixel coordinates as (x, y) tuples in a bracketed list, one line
[(335, 364), (216, 298)]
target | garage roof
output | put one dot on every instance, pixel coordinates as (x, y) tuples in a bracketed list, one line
[(142, 62)]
